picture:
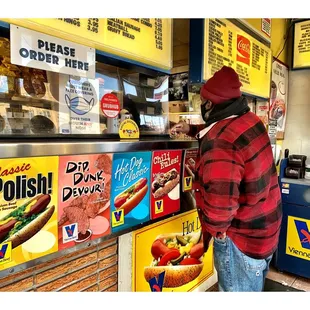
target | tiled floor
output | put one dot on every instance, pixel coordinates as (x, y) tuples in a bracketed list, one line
[(284, 279), (289, 280)]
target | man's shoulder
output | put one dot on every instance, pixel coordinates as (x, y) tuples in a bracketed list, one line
[(247, 126)]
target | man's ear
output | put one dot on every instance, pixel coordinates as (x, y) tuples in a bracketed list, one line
[(209, 105)]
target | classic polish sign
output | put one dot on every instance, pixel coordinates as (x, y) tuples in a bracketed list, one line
[(37, 50)]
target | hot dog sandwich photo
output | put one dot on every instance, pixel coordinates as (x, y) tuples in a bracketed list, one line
[(130, 191), (165, 188), (24, 222), (28, 209), (179, 256)]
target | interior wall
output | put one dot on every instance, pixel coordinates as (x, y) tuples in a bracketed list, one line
[(180, 42), (279, 28), (297, 131)]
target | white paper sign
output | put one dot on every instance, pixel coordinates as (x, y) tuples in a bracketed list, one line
[(78, 105), (278, 96), (266, 26), (40, 51)]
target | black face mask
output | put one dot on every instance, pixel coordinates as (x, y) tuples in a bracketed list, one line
[(206, 109)]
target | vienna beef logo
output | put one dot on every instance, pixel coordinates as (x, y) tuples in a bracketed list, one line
[(70, 232), (5, 252), (156, 284), (243, 49), (303, 234), (304, 239), (118, 218)]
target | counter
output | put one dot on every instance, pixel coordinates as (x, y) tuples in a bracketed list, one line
[(16, 148), (110, 262)]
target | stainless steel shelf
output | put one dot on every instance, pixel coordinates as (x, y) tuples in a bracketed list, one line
[(15, 149)]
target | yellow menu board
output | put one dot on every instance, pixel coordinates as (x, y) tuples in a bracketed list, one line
[(227, 45), (301, 57), (146, 40)]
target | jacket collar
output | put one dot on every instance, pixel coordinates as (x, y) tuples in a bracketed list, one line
[(203, 132)]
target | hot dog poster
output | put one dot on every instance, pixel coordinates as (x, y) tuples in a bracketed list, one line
[(168, 256), (28, 209), (189, 163), (84, 198), (130, 194), (165, 188)]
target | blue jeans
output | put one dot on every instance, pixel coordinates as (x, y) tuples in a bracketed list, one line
[(236, 271)]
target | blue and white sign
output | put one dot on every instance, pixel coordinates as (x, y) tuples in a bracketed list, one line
[(70, 232)]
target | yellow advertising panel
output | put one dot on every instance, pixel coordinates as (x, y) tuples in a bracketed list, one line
[(147, 40), (301, 55), (227, 45), (298, 237), (168, 256), (28, 209)]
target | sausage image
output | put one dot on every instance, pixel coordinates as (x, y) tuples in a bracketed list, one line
[(190, 167), (25, 221), (131, 197), (179, 256), (189, 171), (164, 183)]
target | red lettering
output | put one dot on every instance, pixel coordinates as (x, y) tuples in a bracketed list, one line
[(15, 169)]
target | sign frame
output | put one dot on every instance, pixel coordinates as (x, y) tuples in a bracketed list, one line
[(293, 68), (101, 49), (197, 32), (125, 267)]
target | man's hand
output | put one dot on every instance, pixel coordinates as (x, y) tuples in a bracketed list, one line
[(181, 127)]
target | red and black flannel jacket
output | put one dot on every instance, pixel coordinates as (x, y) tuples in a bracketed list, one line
[(237, 189)]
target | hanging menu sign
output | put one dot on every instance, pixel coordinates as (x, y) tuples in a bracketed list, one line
[(301, 55), (146, 40), (227, 45), (37, 50)]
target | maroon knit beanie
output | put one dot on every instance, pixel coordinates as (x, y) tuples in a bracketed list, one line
[(224, 85)]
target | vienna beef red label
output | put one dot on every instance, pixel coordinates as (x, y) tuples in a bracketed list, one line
[(165, 188), (243, 49)]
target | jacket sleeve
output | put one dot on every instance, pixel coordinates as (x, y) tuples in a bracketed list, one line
[(222, 172), (194, 129)]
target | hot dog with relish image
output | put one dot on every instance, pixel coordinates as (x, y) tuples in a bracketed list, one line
[(25, 221), (180, 257)]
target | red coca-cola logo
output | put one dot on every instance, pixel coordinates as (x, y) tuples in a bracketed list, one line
[(243, 49)]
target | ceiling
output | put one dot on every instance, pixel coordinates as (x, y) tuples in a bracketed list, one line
[(180, 42)]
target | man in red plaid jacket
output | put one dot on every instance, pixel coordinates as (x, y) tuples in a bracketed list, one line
[(237, 192)]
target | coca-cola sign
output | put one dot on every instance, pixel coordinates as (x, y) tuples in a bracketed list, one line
[(243, 49)]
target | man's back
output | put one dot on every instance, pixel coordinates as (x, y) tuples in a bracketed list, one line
[(241, 184)]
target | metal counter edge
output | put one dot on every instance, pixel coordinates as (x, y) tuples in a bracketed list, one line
[(21, 149)]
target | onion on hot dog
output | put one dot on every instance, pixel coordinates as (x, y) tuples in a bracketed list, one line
[(25, 221), (165, 183), (132, 196), (179, 256)]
